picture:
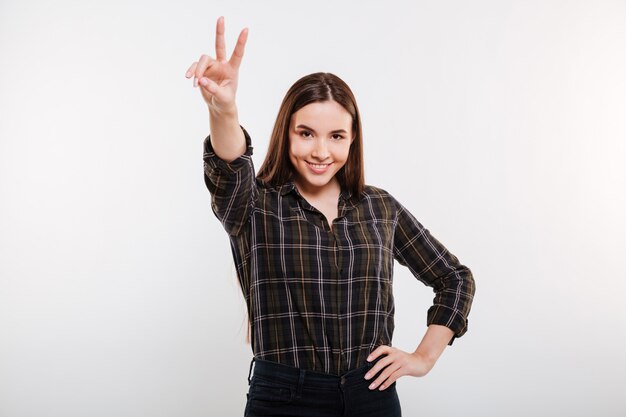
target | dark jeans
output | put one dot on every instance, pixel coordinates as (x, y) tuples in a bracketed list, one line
[(282, 390)]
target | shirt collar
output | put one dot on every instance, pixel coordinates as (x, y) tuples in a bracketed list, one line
[(287, 187)]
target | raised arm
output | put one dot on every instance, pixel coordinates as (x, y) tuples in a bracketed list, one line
[(218, 79), (228, 168)]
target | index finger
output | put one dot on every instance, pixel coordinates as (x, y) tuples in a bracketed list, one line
[(235, 58), (220, 43)]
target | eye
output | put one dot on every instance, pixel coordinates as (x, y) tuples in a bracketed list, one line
[(338, 136), (305, 133)]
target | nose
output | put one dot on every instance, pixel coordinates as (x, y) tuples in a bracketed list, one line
[(320, 151)]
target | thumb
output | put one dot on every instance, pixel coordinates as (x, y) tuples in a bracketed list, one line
[(212, 87)]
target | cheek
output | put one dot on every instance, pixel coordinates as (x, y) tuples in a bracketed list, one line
[(290, 150), (343, 152), (296, 149)]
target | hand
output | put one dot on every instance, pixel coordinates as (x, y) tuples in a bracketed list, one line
[(397, 363), (218, 77)]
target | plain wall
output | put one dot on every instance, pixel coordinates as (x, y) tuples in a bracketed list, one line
[(499, 124)]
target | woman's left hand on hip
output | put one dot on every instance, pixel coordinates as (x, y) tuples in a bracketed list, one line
[(395, 364)]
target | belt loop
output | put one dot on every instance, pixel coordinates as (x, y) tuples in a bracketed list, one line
[(250, 372), (300, 383)]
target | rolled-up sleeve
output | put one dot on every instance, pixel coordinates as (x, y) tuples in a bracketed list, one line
[(431, 263), (232, 186)]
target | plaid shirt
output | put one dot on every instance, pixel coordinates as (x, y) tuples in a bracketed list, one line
[(322, 299)]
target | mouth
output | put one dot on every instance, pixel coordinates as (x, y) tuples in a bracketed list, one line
[(318, 168)]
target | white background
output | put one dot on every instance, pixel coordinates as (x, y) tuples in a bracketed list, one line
[(499, 124)]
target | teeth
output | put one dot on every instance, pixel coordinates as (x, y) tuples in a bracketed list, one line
[(318, 165)]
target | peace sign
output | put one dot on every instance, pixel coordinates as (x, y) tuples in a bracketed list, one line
[(218, 76)]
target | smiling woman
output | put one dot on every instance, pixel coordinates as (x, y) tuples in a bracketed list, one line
[(321, 143), (314, 249), (317, 141), (317, 157)]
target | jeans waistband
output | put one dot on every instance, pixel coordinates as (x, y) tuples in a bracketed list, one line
[(292, 375)]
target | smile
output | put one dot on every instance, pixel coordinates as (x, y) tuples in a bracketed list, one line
[(318, 168)]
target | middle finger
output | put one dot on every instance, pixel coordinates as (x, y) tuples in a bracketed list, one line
[(380, 364), (235, 58), (386, 373)]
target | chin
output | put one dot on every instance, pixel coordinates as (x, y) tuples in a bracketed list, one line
[(315, 180)]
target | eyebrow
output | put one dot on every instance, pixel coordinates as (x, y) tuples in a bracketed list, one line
[(313, 130)]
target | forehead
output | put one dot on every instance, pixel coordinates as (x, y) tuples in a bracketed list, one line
[(323, 115)]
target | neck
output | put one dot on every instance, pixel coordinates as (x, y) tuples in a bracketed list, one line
[(332, 188)]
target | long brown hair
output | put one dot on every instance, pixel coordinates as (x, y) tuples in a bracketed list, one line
[(320, 86)]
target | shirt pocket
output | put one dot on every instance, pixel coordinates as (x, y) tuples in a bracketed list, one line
[(373, 247)]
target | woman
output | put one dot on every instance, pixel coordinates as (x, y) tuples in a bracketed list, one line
[(314, 249)]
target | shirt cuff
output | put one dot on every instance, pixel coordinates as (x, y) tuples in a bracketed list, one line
[(214, 162), (452, 319)]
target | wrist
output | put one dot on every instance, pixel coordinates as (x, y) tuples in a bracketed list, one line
[(429, 357), (434, 342), (225, 112)]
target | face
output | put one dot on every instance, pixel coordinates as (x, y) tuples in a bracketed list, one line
[(320, 135)]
